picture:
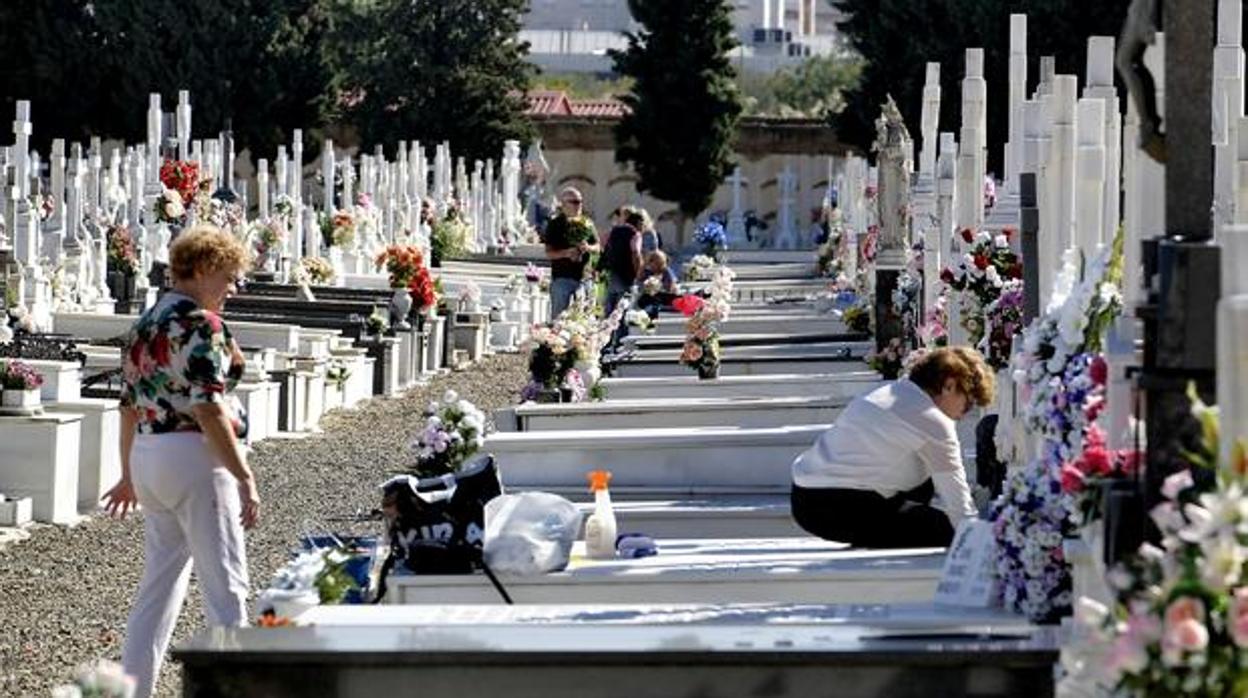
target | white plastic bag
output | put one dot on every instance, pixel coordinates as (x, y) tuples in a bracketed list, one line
[(529, 533)]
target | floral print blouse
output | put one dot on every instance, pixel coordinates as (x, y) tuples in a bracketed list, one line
[(179, 355)]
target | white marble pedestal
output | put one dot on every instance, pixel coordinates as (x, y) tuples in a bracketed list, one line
[(39, 459)]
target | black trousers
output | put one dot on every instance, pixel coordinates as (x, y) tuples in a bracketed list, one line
[(868, 519)]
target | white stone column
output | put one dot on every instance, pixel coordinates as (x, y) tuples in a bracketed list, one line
[(736, 217), (1017, 95), (327, 174), (946, 206), (294, 189), (1090, 175), (971, 154), (930, 122), (153, 145), (1232, 333), (1228, 101), (282, 163), (1100, 85), (56, 166), (184, 124), (262, 187), (1062, 160)]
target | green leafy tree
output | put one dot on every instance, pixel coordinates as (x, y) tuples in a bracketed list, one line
[(898, 37), (434, 70), (684, 105), (814, 88)]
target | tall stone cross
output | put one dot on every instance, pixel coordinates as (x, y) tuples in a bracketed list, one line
[(892, 146), (1182, 267)]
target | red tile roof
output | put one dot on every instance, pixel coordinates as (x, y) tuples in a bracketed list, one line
[(556, 103)]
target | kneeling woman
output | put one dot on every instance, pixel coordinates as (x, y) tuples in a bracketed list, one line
[(869, 480)]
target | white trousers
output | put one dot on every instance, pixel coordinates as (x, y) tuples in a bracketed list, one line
[(191, 509)]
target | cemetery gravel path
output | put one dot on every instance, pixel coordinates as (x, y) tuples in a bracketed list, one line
[(65, 592)]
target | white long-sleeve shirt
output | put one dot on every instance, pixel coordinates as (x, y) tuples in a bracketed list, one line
[(888, 441)]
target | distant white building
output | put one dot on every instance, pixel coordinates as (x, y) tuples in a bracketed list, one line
[(573, 36)]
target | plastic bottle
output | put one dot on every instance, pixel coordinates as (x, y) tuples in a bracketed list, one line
[(600, 527)]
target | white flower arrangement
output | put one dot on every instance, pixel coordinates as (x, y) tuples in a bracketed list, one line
[(101, 678), (699, 268), (454, 430)]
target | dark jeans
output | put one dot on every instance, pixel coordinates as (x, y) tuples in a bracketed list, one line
[(867, 519)]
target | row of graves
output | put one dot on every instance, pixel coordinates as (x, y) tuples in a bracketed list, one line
[(344, 302), (686, 428)]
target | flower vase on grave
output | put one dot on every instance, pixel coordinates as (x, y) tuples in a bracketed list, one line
[(550, 395), (708, 371), (400, 306), (20, 401), (590, 372), (121, 286)]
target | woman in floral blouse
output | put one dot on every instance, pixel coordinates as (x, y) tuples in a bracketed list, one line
[(180, 452)]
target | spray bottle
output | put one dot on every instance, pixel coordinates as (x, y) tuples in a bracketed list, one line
[(600, 527)]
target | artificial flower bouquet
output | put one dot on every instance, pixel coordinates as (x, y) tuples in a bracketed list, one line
[(712, 236), (454, 430), (576, 337), (99, 679), (857, 317), (450, 236), (313, 271), (18, 375), (640, 319), (169, 207), (888, 361), (699, 268), (339, 229), (1180, 622), (122, 257), (402, 262), (980, 278), (701, 350), (268, 236), (181, 176)]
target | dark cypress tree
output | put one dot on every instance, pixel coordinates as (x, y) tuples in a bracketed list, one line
[(684, 105), (898, 37), (434, 70)]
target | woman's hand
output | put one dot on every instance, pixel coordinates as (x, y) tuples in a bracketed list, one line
[(120, 500), (251, 503)]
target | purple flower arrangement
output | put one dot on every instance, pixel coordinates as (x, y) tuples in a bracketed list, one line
[(15, 375)]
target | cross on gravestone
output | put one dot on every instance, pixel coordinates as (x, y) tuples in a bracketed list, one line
[(183, 113), (1183, 266)]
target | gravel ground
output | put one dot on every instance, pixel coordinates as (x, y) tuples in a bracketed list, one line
[(65, 592)]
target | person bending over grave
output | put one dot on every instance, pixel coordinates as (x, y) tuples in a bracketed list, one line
[(869, 479), (660, 292), (180, 452)]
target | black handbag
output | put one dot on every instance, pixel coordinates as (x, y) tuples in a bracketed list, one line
[(437, 524)]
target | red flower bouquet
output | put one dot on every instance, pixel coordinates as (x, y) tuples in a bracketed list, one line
[(181, 176)]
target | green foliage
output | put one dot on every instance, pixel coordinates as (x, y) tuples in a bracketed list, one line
[(684, 103), (582, 85), (451, 70), (333, 583), (815, 88), (898, 37)]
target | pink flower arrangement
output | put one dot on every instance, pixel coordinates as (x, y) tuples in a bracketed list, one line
[(1180, 625)]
